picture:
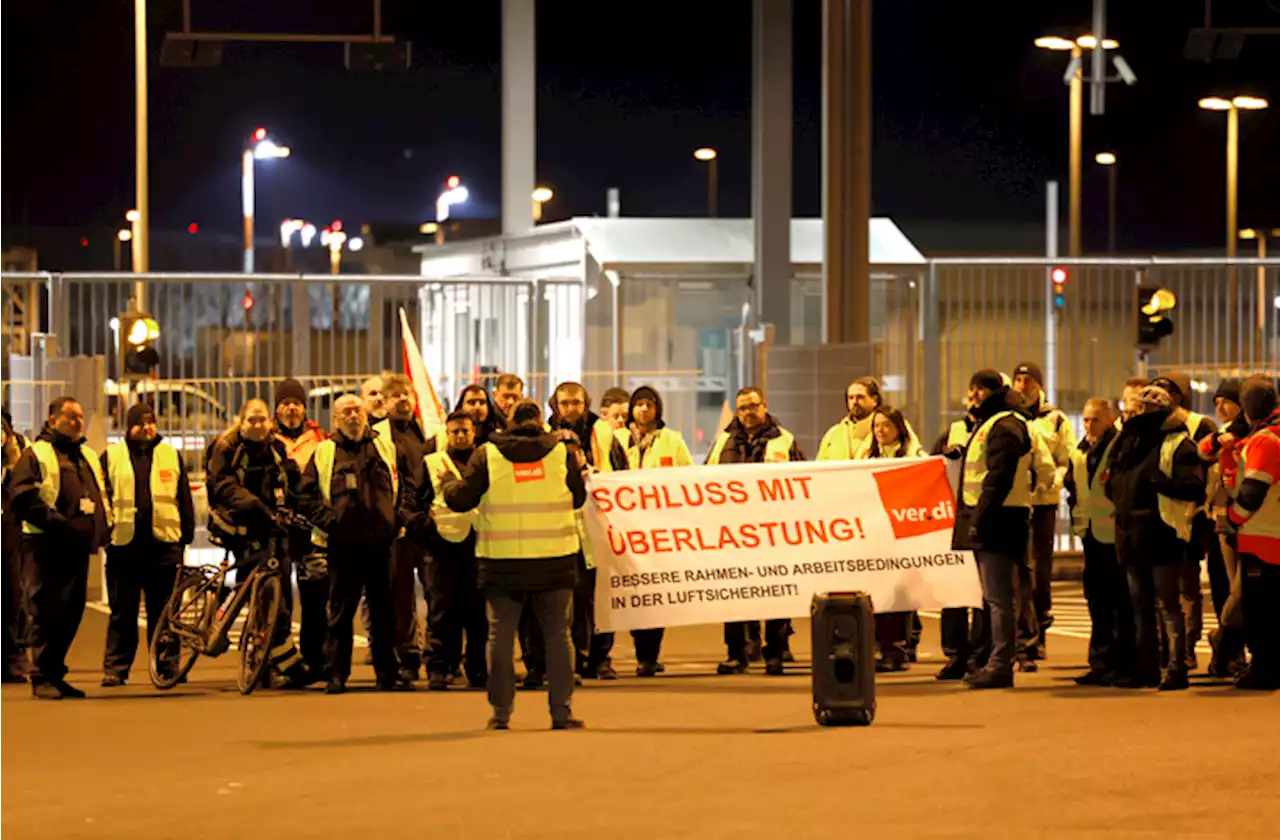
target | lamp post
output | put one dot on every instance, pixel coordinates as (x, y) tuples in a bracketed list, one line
[(1075, 106), (709, 156), (142, 224), (1260, 234), (1108, 159), (259, 147), (123, 235), (541, 196)]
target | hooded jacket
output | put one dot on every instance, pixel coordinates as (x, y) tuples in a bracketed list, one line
[(639, 444), (144, 540), (65, 523), (521, 445), (249, 480), (1135, 482), (990, 525), (364, 508)]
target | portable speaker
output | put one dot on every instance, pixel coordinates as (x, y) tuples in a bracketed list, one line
[(844, 659)]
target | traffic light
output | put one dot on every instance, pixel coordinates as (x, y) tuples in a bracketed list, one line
[(1059, 277), (138, 335), (1154, 305)]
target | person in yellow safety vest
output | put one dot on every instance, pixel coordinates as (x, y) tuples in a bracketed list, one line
[(993, 509), (650, 444), (300, 436), (890, 438), (525, 485), (454, 602), (14, 670), (356, 491), (754, 437), (58, 495), (842, 440), (1204, 543), (615, 407), (585, 431), (154, 520), (1156, 481), (1093, 520), (1054, 429)]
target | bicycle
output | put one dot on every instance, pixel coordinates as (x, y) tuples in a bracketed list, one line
[(197, 620)]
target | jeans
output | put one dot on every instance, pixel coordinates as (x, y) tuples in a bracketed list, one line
[(648, 644), (775, 638), (456, 607), (965, 641), (1156, 594), (997, 572), (553, 612), (1106, 591), (1261, 590), (408, 569), (1034, 579)]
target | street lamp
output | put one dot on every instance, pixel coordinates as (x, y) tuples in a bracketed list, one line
[(541, 196), (709, 156), (1260, 234), (122, 236), (1075, 79), (1233, 107), (332, 238), (259, 147), (454, 193), (1108, 159)]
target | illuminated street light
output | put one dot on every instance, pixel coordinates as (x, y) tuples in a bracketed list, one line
[(708, 156), (1233, 107), (541, 196), (705, 154), (1105, 158), (268, 149), (355, 243), (453, 194), (132, 216), (308, 234), (259, 147), (1089, 42), (124, 234), (1108, 159), (428, 228)]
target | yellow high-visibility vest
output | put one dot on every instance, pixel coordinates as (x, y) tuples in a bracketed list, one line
[(958, 434), (527, 512), (323, 459), (1094, 512), (51, 478), (453, 527), (166, 521), (975, 466), (668, 449), (1174, 513), (601, 442), (777, 449), (841, 440), (912, 446), (1194, 419)]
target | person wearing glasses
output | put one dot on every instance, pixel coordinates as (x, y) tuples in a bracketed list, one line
[(754, 437)]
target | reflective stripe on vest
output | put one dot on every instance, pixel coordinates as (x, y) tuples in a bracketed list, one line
[(1176, 514), (1094, 512), (527, 512), (323, 459), (1194, 420), (301, 448), (51, 478), (975, 466), (958, 434), (166, 521), (777, 449), (453, 527), (1265, 522)]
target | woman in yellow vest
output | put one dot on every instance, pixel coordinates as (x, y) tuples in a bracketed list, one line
[(154, 521), (525, 485), (650, 444)]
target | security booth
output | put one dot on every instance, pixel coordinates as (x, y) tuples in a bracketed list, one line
[(633, 301)]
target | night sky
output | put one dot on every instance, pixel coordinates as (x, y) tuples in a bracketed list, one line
[(970, 118)]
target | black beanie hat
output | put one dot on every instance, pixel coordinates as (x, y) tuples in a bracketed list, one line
[(1229, 390), (138, 414), (1258, 398), (986, 378), (1030, 369), (290, 389)]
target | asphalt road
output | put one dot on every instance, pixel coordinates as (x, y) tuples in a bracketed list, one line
[(687, 754)]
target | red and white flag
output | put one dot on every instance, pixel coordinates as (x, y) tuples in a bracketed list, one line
[(429, 411)]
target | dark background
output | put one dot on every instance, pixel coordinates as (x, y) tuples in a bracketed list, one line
[(970, 118)]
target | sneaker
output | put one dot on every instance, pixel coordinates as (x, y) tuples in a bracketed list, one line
[(437, 682), (112, 681), (500, 724), (732, 666), (568, 723), (646, 669), (1095, 678), (45, 691), (773, 667), (606, 672), (532, 681), (68, 691), (954, 670), (989, 679), (335, 686), (1174, 681)]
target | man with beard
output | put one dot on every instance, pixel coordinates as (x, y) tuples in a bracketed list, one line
[(1156, 481), (862, 398), (1221, 451), (754, 437), (454, 600), (59, 495), (582, 430), (650, 445), (300, 436), (352, 491), (153, 521)]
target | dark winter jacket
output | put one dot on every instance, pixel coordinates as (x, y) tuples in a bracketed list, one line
[(745, 448), (145, 546), (522, 445), (990, 525), (424, 529), (1135, 482), (582, 430), (249, 480), (411, 444), (64, 526), (364, 508)]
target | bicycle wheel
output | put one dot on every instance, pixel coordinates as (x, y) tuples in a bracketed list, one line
[(173, 648), (259, 625)]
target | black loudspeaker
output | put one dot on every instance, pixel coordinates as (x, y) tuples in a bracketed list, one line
[(844, 659)]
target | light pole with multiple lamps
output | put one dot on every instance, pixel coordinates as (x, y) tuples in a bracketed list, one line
[(259, 147), (1108, 159), (1233, 107), (709, 156)]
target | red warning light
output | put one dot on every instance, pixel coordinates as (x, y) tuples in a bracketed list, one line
[(84, 242), (248, 300), (260, 134), (1059, 276), (452, 181), (193, 228), (337, 225)]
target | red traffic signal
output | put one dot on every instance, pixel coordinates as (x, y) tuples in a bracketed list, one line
[(1059, 276), (248, 300), (193, 228)]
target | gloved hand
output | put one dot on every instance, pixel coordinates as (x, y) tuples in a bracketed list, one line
[(314, 566), (568, 436), (953, 452)]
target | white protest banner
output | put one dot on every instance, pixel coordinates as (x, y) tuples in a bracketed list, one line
[(697, 545)]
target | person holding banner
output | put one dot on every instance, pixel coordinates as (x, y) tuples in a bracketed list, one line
[(993, 510), (754, 437), (525, 484), (650, 445)]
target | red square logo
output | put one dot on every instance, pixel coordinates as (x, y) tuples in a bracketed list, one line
[(528, 472), (666, 461), (918, 498)]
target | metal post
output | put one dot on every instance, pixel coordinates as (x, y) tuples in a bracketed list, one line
[(1076, 119), (300, 304), (771, 155), (142, 230), (1050, 312), (519, 115), (711, 188), (246, 206), (1233, 172), (1111, 207), (846, 170), (930, 335), (1098, 65), (613, 202)]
